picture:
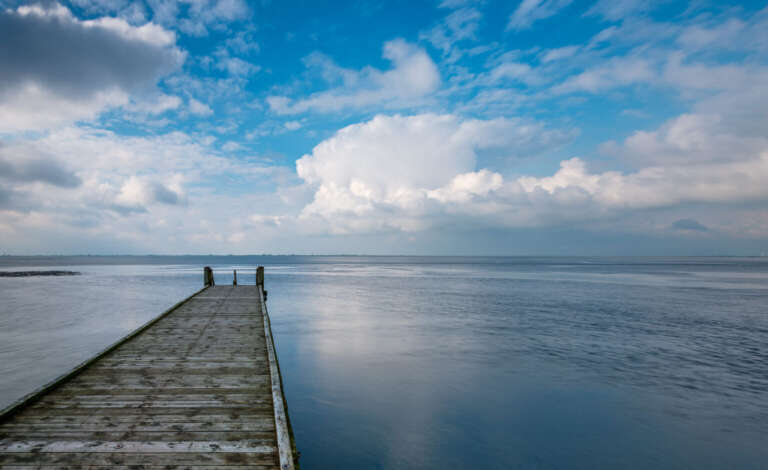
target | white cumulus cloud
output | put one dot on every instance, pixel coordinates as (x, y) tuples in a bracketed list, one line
[(415, 173), (404, 166)]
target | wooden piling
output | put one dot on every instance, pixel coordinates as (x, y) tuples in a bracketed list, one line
[(260, 276), (208, 277), (234, 279)]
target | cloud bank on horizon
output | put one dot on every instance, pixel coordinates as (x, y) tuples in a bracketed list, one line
[(453, 127)]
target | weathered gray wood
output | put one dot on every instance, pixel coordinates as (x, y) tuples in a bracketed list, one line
[(208, 277), (196, 388), (255, 408), (134, 467), (260, 276), (134, 435), (64, 466), (155, 423), (180, 458), (284, 441)]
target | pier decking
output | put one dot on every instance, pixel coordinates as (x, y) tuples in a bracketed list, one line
[(198, 387)]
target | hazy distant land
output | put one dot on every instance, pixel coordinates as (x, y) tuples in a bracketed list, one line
[(37, 273)]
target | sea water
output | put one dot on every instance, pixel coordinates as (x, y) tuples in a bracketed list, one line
[(439, 363)]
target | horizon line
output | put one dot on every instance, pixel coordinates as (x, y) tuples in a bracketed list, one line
[(360, 255)]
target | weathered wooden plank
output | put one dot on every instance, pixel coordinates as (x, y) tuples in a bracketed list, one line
[(89, 446), (163, 364), (173, 391), (126, 435), (150, 394), (235, 325), (172, 371), (224, 350), (142, 467), (212, 383), (155, 404), (188, 411), (211, 337), (264, 423), (211, 378), (167, 418), (169, 388), (155, 400), (202, 350), (210, 358), (236, 328), (124, 458), (250, 346)]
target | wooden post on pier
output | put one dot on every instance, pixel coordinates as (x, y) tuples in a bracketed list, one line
[(260, 280), (234, 280), (208, 277), (260, 276)]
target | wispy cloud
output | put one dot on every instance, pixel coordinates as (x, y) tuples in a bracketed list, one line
[(459, 25), (530, 11), (615, 10), (414, 75)]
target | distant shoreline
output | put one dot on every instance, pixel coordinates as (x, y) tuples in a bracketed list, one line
[(37, 273)]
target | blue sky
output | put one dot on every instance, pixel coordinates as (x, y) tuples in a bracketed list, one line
[(454, 127)]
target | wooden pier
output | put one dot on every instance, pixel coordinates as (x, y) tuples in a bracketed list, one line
[(198, 387)]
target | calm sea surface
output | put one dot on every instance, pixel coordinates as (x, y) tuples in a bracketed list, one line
[(442, 363)]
